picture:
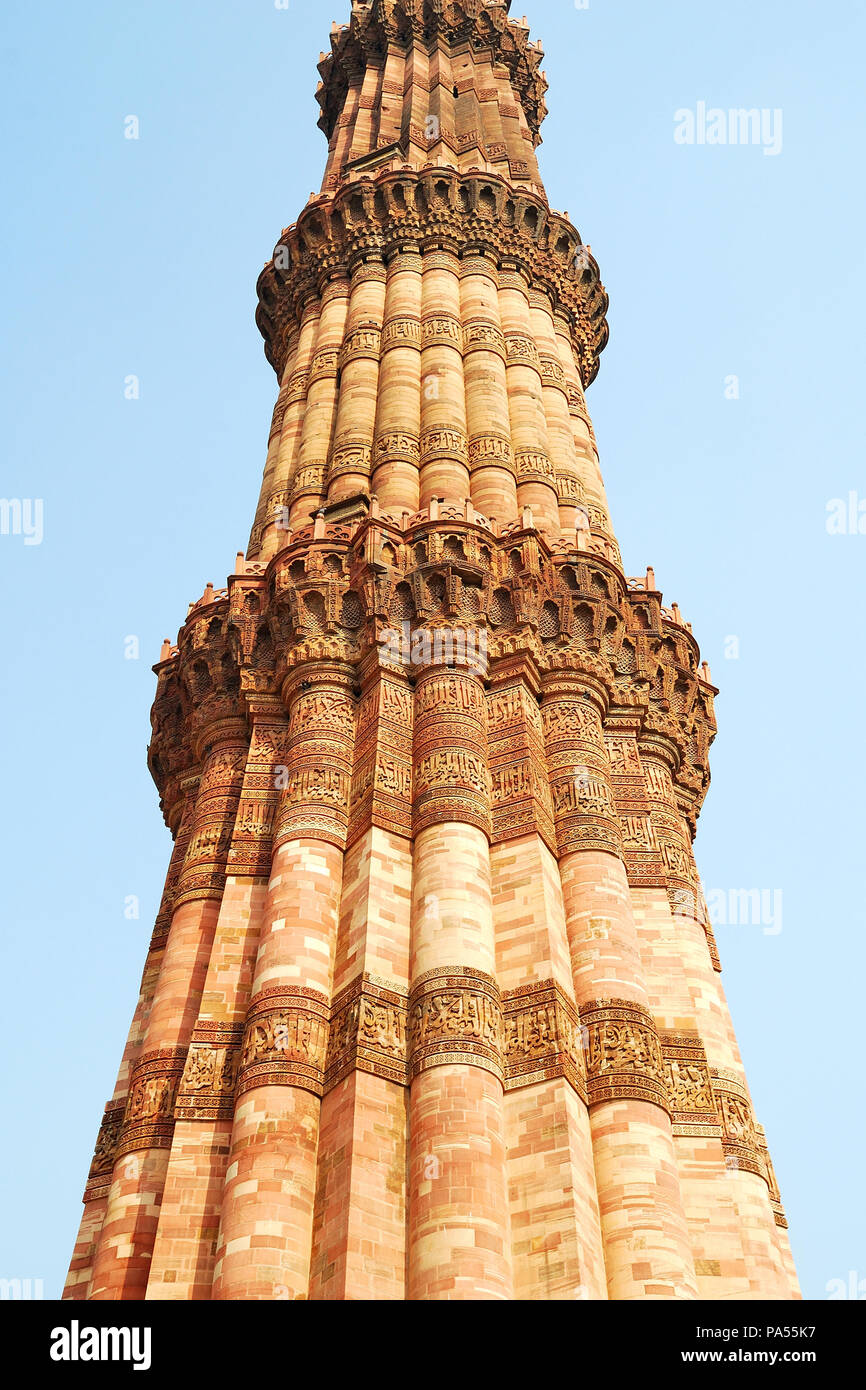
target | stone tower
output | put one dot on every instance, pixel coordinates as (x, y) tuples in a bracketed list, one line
[(432, 1009)]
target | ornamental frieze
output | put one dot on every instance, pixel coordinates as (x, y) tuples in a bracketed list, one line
[(542, 1037), (533, 465), (623, 1053), (354, 457), (369, 1032), (770, 1174), (441, 442), (564, 717), (455, 1016), (583, 806), (543, 246), (105, 1152), (445, 694), (520, 790), (512, 782), (279, 411), (569, 488), (552, 373), (324, 365), (401, 332), (329, 784), (739, 1134), (488, 336), (505, 708), (207, 1087), (583, 794), (331, 711), (442, 330), (488, 450), (362, 342), (397, 445), (712, 947), (250, 852), (148, 1121), (658, 782), (641, 853), (479, 260), (309, 479), (521, 350), (285, 1041), (624, 757), (452, 767), (692, 1105), (382, 774), (315, 781), (572, 723), (636, 833), (296, 389), (162, 925)]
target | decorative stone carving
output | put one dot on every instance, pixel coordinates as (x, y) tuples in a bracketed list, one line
[(148, 1121), (623, 1053), (542, 1037), (693, 1108), (770, 1174), (584, 809), (207, 1087), (739, 1136), (369, 1032), (382, 774), (455, 1016), (105, 1152), (452, 779), (203, 871), (318, 770), (285, 1041)]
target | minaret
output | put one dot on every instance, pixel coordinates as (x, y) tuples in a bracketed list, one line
[(432, 1009)]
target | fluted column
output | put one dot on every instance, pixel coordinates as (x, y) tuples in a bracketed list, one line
[(589, 490), (491, 456), (265, 1237), (359, 1232), (98, 1186), (794, 1290), (555, 1226), (555, 399), (269, 530), (398, 418), (122, 1264), (309, 483), (185, 1247), (416, 105), (444, 465), (536, 476), (351, 459), (735, 1229), (459, 1237), (643, 1222), (272, 497), (391, 107)]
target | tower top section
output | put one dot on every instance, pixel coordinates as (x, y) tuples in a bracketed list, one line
[(432, 82), (432, 109)]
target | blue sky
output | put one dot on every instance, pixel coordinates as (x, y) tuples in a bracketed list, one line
[(140, 257)]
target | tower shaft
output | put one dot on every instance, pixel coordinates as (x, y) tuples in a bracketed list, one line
[(432, 1009)]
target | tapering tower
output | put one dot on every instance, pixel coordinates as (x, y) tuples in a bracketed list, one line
[(432, 1009)]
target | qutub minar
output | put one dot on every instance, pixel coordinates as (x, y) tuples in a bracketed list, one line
[(432, 1008)]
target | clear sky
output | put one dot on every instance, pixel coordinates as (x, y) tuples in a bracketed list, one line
[(125, 257)]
